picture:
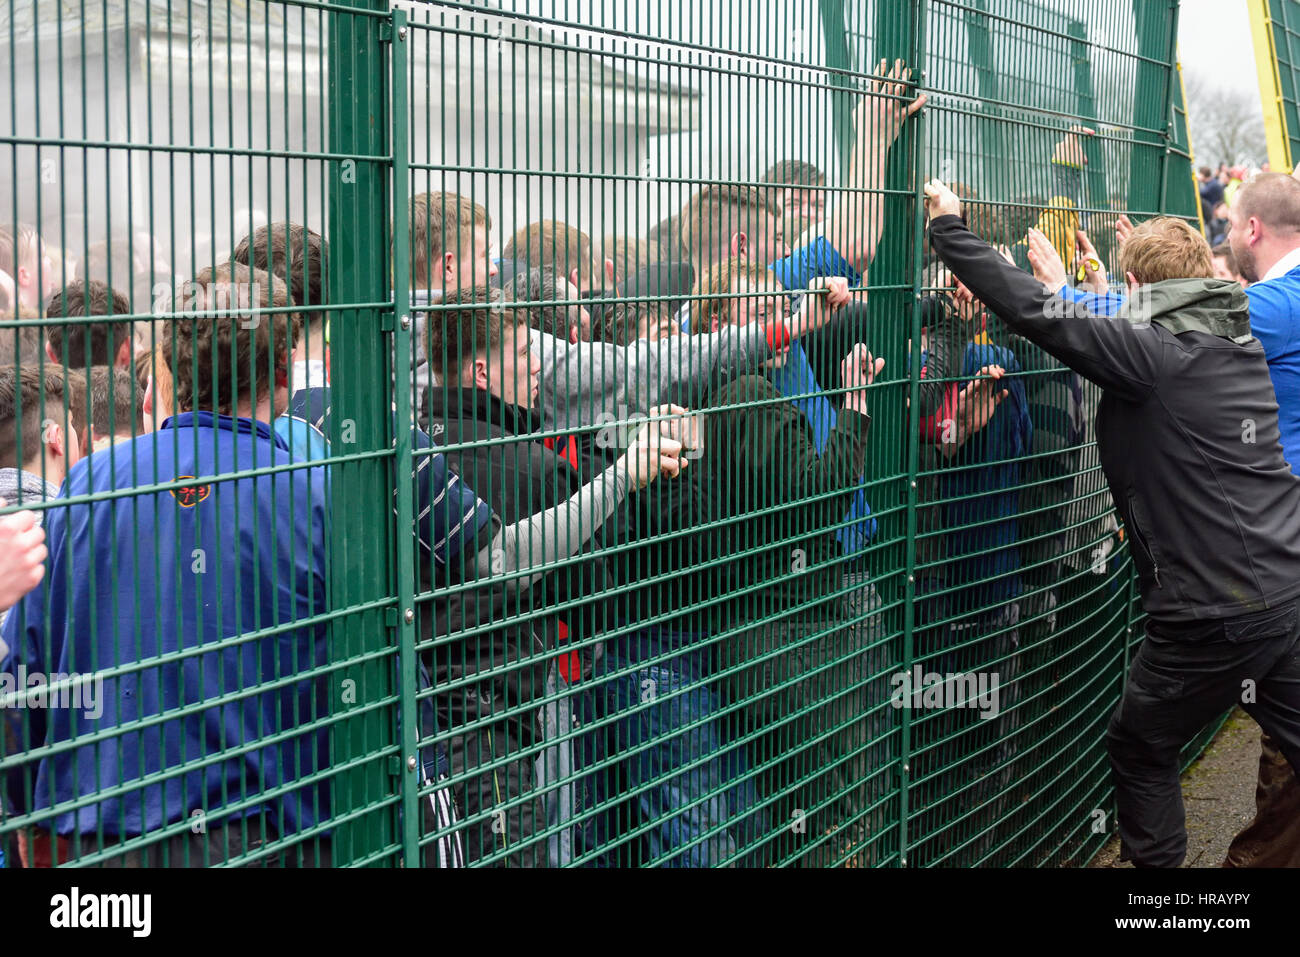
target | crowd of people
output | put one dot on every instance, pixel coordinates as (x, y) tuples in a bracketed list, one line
[(649, 628)]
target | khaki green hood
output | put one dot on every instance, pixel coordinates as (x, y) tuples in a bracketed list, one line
[(1216, 306)]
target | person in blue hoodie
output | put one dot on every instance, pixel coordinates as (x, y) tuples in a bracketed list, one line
[(968, 578), (195, 601)]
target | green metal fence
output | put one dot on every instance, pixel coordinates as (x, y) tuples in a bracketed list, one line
[(716, 669), (1273, 25)]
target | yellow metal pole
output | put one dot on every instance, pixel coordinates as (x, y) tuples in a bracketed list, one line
[(1270, 85), (1191, 152)]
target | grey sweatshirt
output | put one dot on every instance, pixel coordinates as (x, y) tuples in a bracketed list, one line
[(555, 533), (581, 381), (19, 487)]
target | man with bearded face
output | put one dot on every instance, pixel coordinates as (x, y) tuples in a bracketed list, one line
[(1265, 240)]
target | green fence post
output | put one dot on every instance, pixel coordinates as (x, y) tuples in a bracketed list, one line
[(1156, 38), (915, 156), (362, 534), (403, 466), (894, 278), (1171, 86)]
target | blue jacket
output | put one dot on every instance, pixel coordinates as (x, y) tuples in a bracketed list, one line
[(796, 376), (167, 572), (1099, 305), (1275, 322), (980, 487)]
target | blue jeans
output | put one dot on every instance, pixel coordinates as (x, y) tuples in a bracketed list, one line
[(698, 813)]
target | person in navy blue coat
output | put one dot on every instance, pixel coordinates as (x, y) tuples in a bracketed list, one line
[(195, 598)]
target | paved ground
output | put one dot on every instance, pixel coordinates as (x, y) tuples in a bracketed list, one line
[(1218, 792)]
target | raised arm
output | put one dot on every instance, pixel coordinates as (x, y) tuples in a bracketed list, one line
[(559, 532), (583, 380), (554, 534), (1045, 261), (1059, 222), (826, 297), (1114, 353), (857, 217)]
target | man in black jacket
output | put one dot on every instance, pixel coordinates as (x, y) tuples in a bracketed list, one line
[(486, 415), (483, 355), (1187, 434)]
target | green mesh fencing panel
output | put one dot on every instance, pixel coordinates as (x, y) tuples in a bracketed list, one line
[(500, 528), (1276, 32)]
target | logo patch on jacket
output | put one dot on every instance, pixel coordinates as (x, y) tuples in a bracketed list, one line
[(187, 496)]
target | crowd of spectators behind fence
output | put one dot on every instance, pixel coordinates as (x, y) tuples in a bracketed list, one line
[(569, 556)]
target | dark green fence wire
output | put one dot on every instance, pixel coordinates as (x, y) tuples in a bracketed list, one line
[(1275, 32), (728, 667)]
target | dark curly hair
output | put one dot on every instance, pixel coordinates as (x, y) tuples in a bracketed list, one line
[(219, 361)]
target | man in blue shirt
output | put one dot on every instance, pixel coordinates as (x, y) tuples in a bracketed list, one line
[(740, 222), (1265, 241), (195, 606)]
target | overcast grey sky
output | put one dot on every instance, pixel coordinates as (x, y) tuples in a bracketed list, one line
[(1214, 38)]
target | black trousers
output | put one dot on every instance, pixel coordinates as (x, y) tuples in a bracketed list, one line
[(498, 803), (1182, 677)]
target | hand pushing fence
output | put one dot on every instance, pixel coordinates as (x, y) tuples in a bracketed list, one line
[(540, 434)]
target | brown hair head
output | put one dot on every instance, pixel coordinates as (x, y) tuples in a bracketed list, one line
[(294, 253), (116, 404), (1224, 251), (794, 173), (474, 326), (715, 214), (720, 280), (554, 245), (441, 223), (630, 255), (220, 361), (1166, 248), (626, 322), (23, 414), (94, 343)]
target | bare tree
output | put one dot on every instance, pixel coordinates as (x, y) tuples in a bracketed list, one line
[(1227, 124)]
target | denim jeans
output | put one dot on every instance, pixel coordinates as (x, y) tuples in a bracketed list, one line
[(683, 780), (566, 792)]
